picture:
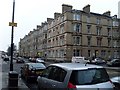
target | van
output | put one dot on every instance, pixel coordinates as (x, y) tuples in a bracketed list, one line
[(78, 59)]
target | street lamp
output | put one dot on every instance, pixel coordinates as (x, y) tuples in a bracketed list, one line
[(12, 44)]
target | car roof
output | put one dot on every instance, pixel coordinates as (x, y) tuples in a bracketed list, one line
[(75, 66), (33, 63)]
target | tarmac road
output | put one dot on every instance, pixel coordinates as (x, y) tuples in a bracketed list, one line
[(33, 85)]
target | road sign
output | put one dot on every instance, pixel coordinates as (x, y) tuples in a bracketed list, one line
[(12, 24)]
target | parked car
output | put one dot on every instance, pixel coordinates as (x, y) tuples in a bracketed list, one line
[(6, 58), (32, 60), (74, 75), (98, 61), (40, 60), (32, 70), (114, 62), (79, 60), (20, 60), (116, 82)]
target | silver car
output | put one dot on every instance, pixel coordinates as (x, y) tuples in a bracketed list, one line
[(74, 76), (116, 82)]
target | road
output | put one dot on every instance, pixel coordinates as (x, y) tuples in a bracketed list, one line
[(33, 85)]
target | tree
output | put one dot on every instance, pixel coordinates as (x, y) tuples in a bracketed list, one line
[(9, 50)]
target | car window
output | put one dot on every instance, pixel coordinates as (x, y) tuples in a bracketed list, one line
[(89, 76), (57, 74), (46, 72)]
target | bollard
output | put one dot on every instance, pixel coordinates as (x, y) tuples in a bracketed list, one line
[(13, 79)]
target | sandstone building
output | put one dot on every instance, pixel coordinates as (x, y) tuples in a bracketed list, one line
[(74, 33)]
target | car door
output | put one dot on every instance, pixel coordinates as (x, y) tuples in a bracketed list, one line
[(53, 77), (56, 78), (44, 78)]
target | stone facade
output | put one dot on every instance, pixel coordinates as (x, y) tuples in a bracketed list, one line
[(74, 33)]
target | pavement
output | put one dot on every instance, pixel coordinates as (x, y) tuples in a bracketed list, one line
[(5, 83)]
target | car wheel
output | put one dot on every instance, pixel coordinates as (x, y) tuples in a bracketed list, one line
[(117, 86)]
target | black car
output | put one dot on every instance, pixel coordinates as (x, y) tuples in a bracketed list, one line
[(32, 70), (20, 60), (6, 58), (114, 62)]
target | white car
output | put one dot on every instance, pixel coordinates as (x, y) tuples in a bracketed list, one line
[(79, 59), (39, 60), (116, 82)]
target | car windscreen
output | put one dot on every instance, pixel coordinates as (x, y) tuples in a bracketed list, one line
[(89, 76), (37, 65)]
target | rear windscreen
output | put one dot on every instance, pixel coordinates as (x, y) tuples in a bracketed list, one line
[(89, 76)]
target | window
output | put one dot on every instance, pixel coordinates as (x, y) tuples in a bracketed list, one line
[(61, 42), (76, 52), (115, 23), (88, 28), (46, 72), (57, 74), (116, 54), (109, 42), (89, 77), (109, 31), (62, 18), (61, 29), (77, 27), (98, 21), (88, 19), (89, 53), (98, 30), (115, 43), (89, 41), (76, 16), (99, 42), (76, 40), (61, 53), (109, 23)]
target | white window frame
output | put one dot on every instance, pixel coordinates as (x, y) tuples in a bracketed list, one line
[(76, 16), (76, 41), (77, 29)]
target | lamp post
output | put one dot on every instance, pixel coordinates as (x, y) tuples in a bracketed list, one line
[(12, 34)]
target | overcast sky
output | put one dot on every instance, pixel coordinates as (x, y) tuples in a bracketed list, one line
[(29, 13)]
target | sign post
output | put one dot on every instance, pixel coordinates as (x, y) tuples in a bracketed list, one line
[(12, 44)]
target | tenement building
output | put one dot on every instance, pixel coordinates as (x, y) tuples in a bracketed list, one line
[(74, 33)]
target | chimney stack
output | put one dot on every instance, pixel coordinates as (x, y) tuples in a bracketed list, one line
[(50, 19), (66, 7), (56, 15), (87, 8), (108, 13)]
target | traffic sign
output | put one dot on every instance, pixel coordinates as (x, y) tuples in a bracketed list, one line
[(12, 24)]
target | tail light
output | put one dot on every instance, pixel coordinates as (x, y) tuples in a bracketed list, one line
[(70, 85)]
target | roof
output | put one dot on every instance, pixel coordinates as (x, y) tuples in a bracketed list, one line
[(75, 66)]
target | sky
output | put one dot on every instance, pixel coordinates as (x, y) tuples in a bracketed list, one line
[(30, 13)]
